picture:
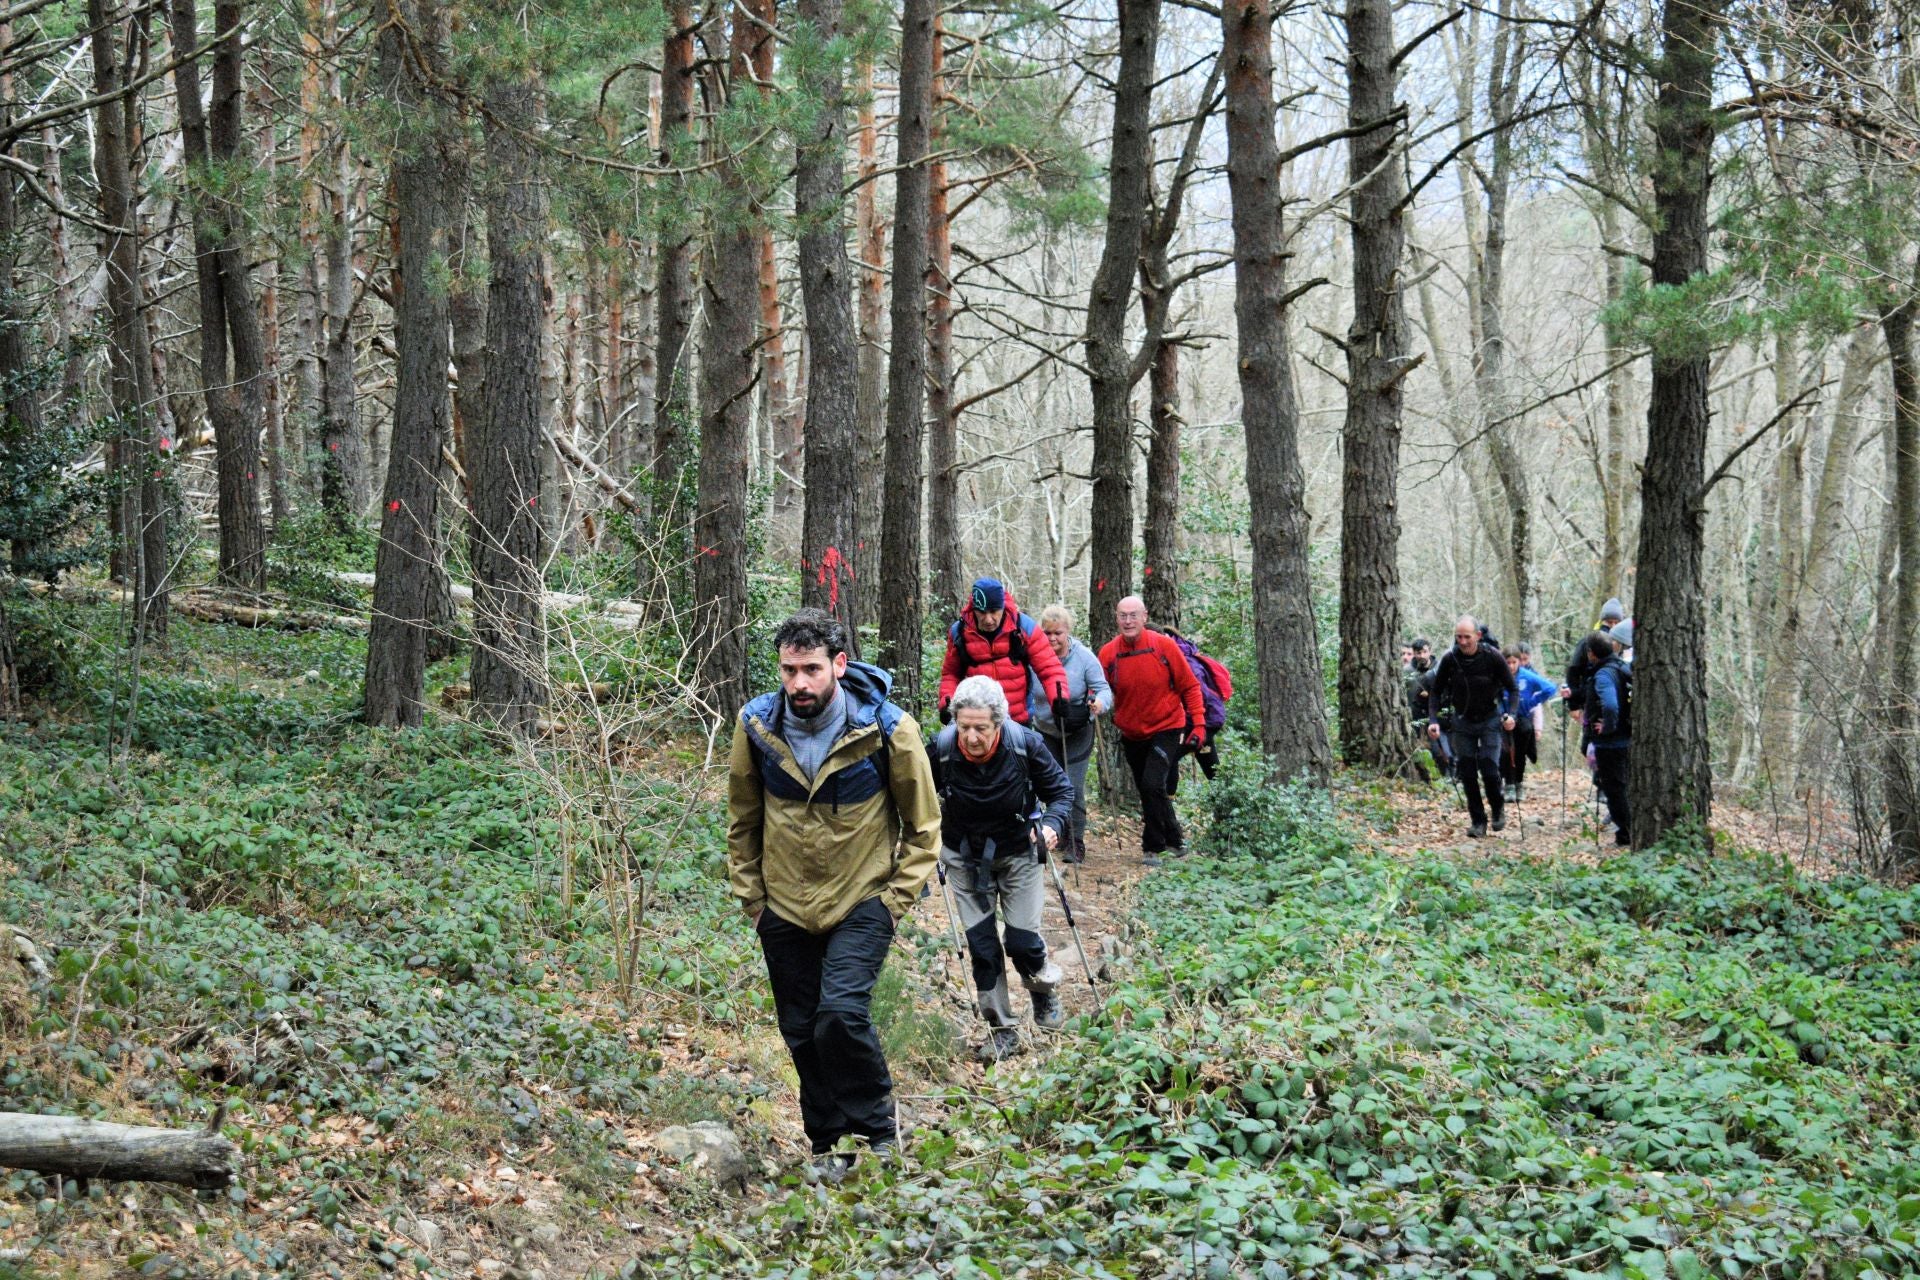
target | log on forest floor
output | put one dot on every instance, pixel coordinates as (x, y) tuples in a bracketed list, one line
[(214, 609), (74, 1148)]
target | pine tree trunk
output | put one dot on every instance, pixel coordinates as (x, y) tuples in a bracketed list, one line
[(20, 416), (830, 564), (1372, 710), (509, 435), (1293, 722), (1160, 587), (346, 454), (1490, 364), (870, 246), (1902, 703), (943, 421), (426, 170), (135, 461), (1671, 772), (1110, 364), (279, 446), (900, 583), (727, 376), (673, 291), (9, 667), (232, 352)]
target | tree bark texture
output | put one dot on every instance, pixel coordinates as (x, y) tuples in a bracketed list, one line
[(232, 350), (830, 563), (1372, 709), (1293, 722), (1671, 773), (509, 437), (943, 418), (870, 246), (900, 585), (1110, 363), (673, 405), (1902, 716), (346, 455), (1160, 566), (135, 461), (75, 1148), (428, 175), (727, 377)]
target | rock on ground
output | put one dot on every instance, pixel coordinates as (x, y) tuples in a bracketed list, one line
[(709, 1147)]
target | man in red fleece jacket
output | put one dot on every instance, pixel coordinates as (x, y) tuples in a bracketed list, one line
[(1159, 712)]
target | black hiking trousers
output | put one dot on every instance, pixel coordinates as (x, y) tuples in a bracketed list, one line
[(1610, 770), (1155, 763), (1476, 757), (822, 998)]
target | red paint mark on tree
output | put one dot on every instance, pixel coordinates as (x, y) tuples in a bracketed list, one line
[(166, 443), (1149, 571), (831, 563), (333, 446), (1100, 585), (394, 505)]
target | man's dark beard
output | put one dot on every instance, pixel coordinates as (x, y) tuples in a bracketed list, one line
[(1422, 661), (820, 704)]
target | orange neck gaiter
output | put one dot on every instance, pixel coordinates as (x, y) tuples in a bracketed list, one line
[(993, 744)]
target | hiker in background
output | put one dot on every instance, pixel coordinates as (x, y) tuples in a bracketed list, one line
[(1420, 704), (1622, 637), (1529, 719), (1609, 718), (1158, 709), (833, 826), (993, 638), (992, 775), (1573, 689), (1088, 697), (1475, 693)]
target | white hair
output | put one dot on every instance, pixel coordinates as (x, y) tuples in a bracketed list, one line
[(983, 693)]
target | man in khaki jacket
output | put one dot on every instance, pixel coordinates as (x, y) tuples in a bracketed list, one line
[(833, 826)]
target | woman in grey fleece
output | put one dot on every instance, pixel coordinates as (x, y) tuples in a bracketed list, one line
[(1088, 697)]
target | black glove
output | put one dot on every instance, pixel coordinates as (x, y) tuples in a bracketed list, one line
[(946, 714), (1060, 712)]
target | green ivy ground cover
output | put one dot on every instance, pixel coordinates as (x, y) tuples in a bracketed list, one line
[(268, 905), (1331, 1063)]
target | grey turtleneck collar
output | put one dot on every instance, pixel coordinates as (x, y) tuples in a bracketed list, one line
[(811, 739)]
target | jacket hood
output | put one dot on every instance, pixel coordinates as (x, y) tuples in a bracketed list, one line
[(867, 686)]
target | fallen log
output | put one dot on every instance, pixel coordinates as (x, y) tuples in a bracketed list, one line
[(73, 1148), (212, 609)]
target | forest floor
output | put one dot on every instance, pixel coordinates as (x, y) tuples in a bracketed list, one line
[(1338, 1039)]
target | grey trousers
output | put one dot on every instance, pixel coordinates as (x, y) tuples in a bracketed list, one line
[(1015, 887)]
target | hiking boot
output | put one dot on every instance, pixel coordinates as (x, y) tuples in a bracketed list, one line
[(1477, 830), (884, 1150), (830, 1168), (1001, 1043), (1152, 859), (1500, 819), (1047, 1011)]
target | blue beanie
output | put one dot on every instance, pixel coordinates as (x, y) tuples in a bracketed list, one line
[(989, 595)]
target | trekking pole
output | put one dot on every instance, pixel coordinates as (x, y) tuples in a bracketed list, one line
[(1566, 719), (1060, 887), (953, 927), (1065, 763)]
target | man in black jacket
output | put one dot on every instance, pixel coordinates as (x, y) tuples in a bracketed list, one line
[(1472, 684)]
